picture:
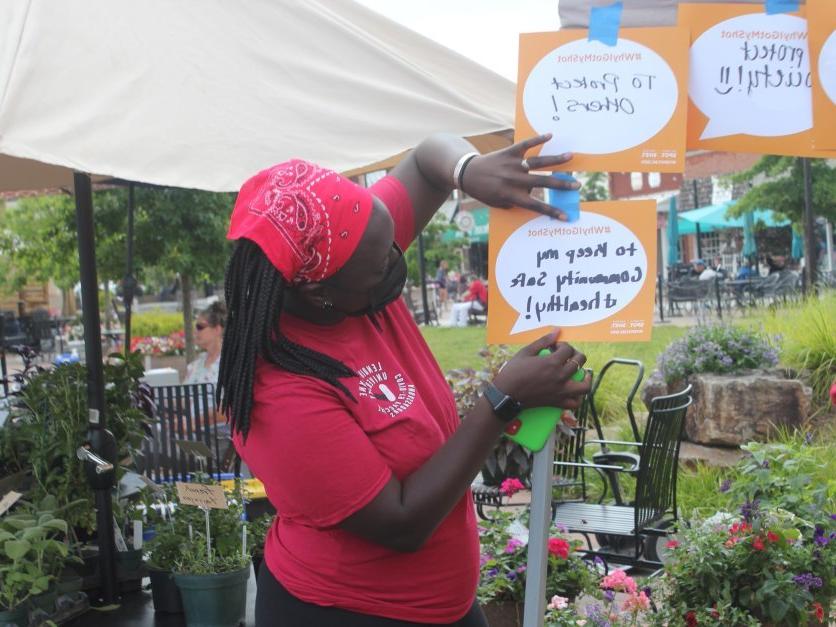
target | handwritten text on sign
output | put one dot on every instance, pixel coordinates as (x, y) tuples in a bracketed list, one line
[(570, 275), (200, 495), (751, 74), (599, 99)]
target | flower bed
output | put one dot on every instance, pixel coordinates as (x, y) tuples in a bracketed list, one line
[(172, 345)]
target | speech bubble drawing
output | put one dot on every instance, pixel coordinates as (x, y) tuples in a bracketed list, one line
[(751, 74), (827, 67), (599, 99), (553, 273)]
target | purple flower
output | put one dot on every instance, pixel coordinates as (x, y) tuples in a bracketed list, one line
[(765, 464), (833, 517), (512, 576), (513, 545), (819, 537), (807, 581), (726, 485), (808, 440), (492, 573), (749, 510), (598, 561), (609, 595)]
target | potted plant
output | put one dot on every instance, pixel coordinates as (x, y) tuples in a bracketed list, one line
[(768, 567), (33, 551), (504, 554), (213, 585), (508, 458), (257, 532), (164, 551)]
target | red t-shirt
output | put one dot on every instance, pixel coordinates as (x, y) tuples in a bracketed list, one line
[(477, 291), (322, 457)]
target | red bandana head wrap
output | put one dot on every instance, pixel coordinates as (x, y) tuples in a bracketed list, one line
[(306, 219)]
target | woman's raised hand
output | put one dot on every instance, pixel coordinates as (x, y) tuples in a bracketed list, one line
[(502, 178), (545, 381)]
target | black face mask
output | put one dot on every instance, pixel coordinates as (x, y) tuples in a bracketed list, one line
[(388, 290)]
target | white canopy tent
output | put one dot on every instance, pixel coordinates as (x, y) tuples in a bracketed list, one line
[(203, 93)]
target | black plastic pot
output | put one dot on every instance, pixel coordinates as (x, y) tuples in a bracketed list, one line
[(18, 616), (165, 592)]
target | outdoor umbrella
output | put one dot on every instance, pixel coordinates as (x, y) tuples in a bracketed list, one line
[(749, 246), (673, 233), (797, 245), (202, 94)]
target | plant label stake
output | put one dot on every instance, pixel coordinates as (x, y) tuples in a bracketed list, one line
[(10, 498), (208, 535), (118, 538), (137, 534), (244, 541), (205, 497)]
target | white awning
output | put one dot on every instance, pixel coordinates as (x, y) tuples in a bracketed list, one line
[(203, 93)]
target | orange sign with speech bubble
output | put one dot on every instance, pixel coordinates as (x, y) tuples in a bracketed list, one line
[(616, 108), (750, 84), (595, 278)]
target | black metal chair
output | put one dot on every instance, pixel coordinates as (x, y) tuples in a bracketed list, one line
[(182, 412), (627, 459), (653, 513)]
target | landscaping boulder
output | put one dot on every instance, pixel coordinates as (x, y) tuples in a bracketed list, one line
[(730, 410)]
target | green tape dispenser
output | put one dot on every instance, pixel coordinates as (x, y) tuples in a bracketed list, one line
[(532, 427)]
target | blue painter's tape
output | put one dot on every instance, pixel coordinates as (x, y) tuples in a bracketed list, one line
[(604, 23), (567, 200), (781, 6)]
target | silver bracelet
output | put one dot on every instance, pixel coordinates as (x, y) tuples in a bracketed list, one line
[(459, 169)]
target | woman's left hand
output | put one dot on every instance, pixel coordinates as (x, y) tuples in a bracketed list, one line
[(502, 178)]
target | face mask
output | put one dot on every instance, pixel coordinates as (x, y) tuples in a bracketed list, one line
[(388, 290)]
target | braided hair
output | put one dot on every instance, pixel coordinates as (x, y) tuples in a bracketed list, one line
[(254, 293)]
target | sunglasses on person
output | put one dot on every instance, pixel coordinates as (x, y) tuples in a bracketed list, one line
[(199, 326)]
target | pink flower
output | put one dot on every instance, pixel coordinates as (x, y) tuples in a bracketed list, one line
[(757, 544), (511, 486), (672, 544), (772, 537), (637, 603), (559, 548), (513, 545), (558, 603), (618, 580)]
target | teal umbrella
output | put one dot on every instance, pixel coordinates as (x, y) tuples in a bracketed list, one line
[(797, 245), (673, 233), (749, 247)]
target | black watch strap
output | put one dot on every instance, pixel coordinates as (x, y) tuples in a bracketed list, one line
[(504, 406)]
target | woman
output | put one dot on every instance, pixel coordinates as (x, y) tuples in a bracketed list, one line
[(208, 335), (337, 404)]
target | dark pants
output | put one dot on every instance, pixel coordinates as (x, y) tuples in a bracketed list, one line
[(276, 607)]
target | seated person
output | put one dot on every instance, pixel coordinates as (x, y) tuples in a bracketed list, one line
[(776, 263), (697, 268), (476, 299), (717, 266)]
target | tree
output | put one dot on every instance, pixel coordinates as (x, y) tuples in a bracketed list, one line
[(783, 189), (595, 187), (185, 231)]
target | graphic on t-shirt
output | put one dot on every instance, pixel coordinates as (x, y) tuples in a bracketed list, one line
[(394, 394)]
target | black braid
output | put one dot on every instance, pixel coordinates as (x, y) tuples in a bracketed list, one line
[(254, 293)]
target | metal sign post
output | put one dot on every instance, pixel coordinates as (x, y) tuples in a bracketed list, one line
[(539, 525)]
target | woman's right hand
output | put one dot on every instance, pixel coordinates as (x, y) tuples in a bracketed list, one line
[(536, 381)]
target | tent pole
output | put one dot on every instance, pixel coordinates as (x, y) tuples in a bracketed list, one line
[(129, 283), (809, 229), (699, 242), (422, 268), (98, 438)]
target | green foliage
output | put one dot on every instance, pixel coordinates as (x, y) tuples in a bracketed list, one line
[(504, 557), (257, 533), (434, 250), (49, 421), (783, 191), (717, 349), (33, 551), (771, 565), (809, 341), (595, 187), (174, 547), (156, 323)]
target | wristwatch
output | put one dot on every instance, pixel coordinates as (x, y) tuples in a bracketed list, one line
[(505, 407)]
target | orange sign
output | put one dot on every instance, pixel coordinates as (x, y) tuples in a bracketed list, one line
[(617, 108), (822, 31), (750, 80), (595, 278)]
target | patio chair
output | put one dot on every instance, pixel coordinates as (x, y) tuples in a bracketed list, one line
[(628, 459), (181, 413), (653, 513), (690, 291)]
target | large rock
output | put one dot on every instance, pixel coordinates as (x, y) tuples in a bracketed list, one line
[(730, 410)]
